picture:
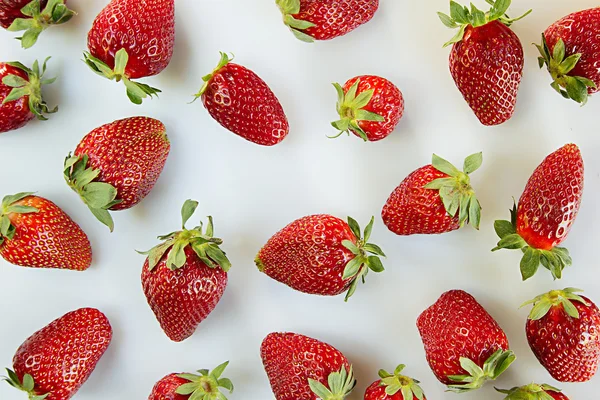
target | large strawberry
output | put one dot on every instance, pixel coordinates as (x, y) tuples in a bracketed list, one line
[(546, 211), (325, 19), (21, 95), (243, 103), (116, 165), (132, 39), (204, 386), (35, 232), (464, 345), (569, 50), (563, 331), (56, 360), (533, 392), (321, 254), (185, 276), (303, 368), (437, 198), (486, 60), (369, 106), (394, 387)]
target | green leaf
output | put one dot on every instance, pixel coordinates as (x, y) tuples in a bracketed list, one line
[(477, 16), (103, 216), (576, 89), (472, 163), (176, 258), (504, 228), (218, 371), (474, 212), (363, 115), (530, 263), (458, 37), (302, 36), (354, 227), (297, 23), (216, 254), (186, 388), (21, 209), (351, 93), (369, 230), (226, 383), (444, 166), (16, 94), (28, 383), (459, 13), (447, 20), (319, 389), (362, 99), (98, 194), (570, 309), (375, 264), (188, 209), (352, 268), (513, 241), (439, 183), (30, 37), (499, 9), (14, 81), (558, 54), (351, 246), (4, 225), (374, 249), (540, 309), (121, 61)]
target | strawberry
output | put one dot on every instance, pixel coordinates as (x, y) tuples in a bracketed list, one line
[(321, 254), (569, 50), (546, 211), (35, 232), (303, 368), (21, 95), (324, 19), (56, 360), (185, 276), (116, 165), (486, 61), (464, 345), (436, 198), (563, 331), (132, 39), (369, 106), (204, 386), (33, 17), (243, 103), (394, 387), (534, 392)]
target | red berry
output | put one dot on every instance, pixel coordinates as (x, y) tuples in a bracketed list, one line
[(205, 385)]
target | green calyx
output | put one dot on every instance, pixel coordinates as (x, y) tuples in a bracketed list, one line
[(55, 13), (395, 383), (554, 260), (340, 384), (27, 385), (202, 242), (7, 229), (136, 91), (350, 107), (492, 369), (206, 385), (32, 88), (529, 392), (559, 65), (555, 298), (462, 17), (456, 192), (289, 8), (225, 59)]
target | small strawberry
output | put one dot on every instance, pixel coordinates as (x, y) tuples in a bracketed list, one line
[(546, 211), (33, 17), (563, 331), (464, 345), (486, 60), (116, 165), (185, 276), (534, 392), (369, 106), (132, 39), (437, 198), (303, 368), (394, 387), (321, 254), (35, 232), (243, 103), (56, 360), (205, 386), (21, 95), (569, 50), (324, 19)]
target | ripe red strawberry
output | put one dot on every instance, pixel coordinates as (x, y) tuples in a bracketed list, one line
[(534, 392), (464, 345), (303, 368), (394, 387), (486, 60), (204, 386), (563, 331), (369, 106), (324, 19), (116, 165), (21, 95), (56, 360), (33, 17), (437, 198), (569, 50), (243, 103), (35, 232), (547, 209), (185, 276), (321, 254), (132, 39)]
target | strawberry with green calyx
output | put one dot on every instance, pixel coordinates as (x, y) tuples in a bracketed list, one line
[(341, 383), (394, 387), (533, 392)]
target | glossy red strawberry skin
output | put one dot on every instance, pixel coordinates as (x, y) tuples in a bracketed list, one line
[(146, 29), (291, 359), (557, 395), (63, 355), (551, 199), (569, 348), (377, 392), (11, 10), (458, 326), (165, 388), (487, 67), (13, 114)]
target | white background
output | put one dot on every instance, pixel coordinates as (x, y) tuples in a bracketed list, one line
[(254, 191)]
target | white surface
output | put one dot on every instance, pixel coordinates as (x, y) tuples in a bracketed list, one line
[(253, 191)]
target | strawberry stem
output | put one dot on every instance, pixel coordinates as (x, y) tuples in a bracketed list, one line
[(289, 8), (341, 384), (7, 229), (478, 376), (531, 392), (27, 385), (206, 385), (555, 298), (225, 59), (395, 383)]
